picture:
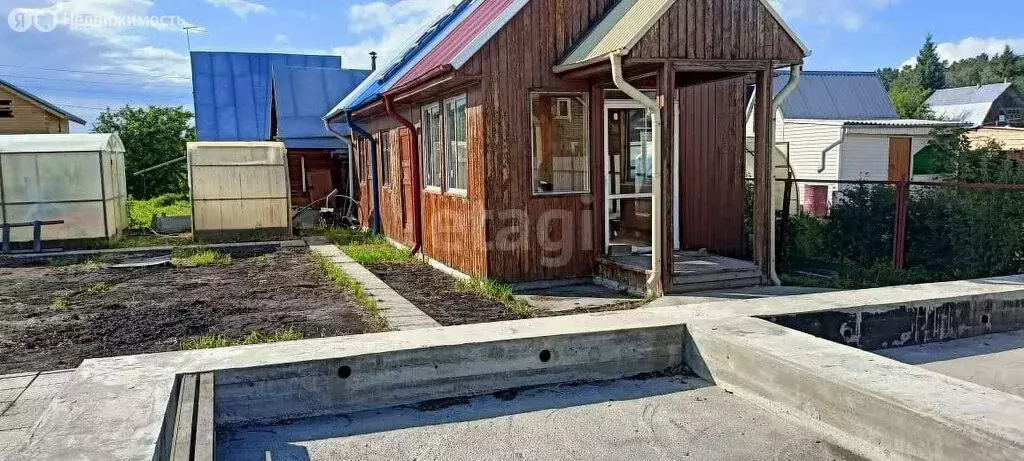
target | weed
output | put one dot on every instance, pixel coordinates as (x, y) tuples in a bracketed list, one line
[(499, 292), (264, 260), (365, 248), (59, 304), (99, 287), (141, 212), (199, 257), (256, 337), (376, 321)]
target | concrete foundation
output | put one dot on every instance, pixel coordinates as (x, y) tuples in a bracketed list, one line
[(871, 407)]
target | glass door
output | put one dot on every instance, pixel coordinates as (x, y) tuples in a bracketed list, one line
[(629, 149)]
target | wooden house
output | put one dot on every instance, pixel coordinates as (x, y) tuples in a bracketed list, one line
[(22, 112), (547, 141)]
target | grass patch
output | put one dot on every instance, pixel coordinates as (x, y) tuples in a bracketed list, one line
[(365, 248), (141, 212), (376, 321), (256, 337), (59, 304), (499, 292), (99, 287), (199, 257)]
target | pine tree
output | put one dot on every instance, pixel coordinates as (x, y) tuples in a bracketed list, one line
[(930, 68)]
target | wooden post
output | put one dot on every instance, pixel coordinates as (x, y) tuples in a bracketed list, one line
[(667, 99), (762, 171)]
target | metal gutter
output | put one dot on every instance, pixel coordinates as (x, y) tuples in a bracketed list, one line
[(656, 200), (794, 80), (375, 207), (824, 153), (417, 179)]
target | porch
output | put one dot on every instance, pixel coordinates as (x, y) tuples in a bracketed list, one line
[(692, 271)]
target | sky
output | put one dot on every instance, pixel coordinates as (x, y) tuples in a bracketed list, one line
[(109, 53)]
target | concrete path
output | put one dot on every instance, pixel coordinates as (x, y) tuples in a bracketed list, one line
[(574, 297), (705, 297), (23, 397), (399, 312)]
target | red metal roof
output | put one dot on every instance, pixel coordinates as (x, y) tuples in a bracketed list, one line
[(441, 56)]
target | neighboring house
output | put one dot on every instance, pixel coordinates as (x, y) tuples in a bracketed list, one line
[(278, 97), (538, 158), (999, 104), (1008, 138), (22, 112), (842, 126)]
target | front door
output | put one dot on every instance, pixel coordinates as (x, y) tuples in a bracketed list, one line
[(899, 158), (629, 153)]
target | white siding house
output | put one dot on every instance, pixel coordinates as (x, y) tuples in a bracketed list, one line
[(840, 126)]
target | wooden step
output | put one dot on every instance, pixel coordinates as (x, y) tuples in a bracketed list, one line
[(717, 285), (701, 277)]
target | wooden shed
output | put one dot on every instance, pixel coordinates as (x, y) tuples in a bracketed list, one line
[(552, 140)]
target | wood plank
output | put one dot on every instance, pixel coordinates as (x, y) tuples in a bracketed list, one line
[(184, 425)]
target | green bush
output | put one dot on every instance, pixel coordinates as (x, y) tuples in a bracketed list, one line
[(141, 212)]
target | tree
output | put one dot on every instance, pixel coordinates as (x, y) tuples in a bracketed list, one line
[(931, 69), (151, 136), (888, 76), (909, 95)]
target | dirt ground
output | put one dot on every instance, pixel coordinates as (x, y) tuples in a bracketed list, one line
[(435, 293), (151, 309)]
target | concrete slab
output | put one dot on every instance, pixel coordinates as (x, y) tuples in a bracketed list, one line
[(714, 296), (21, 406), (114, 408), (657, 419), (995, 360), (399, 312), (574, 297)]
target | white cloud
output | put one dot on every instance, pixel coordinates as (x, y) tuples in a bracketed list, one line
[(241, 8), (387, 27), (848, 14), (281, 38), (970, 47)]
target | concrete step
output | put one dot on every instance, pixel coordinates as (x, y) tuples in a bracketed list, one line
[(684, 287)]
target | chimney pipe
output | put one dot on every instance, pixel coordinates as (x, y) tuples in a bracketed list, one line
[(373, 60)]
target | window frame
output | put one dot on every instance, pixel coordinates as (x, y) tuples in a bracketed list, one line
[(384, 153), (424, 109), (6, 108), (585, 97), (446, 144)]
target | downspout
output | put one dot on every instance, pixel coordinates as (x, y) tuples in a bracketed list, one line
[(656, 200), (351, 168), (375, 213), (842, 138), (416, 173), (794, 79)]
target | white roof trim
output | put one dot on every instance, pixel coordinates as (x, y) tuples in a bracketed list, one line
[(489, 32)]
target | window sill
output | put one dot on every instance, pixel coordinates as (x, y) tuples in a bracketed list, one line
[(433, 190), (458, 193), (542, 195)]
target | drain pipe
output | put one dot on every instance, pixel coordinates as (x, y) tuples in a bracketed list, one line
[(824, 153), (351, 169), (656, 200), (416, 173), (794, 79), (375, 213)]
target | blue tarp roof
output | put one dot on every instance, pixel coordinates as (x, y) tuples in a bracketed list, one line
[(42, 102), (232, 93), (381, 79), (833, 95), (303, 95)]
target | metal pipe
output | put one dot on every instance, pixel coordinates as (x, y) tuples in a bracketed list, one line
[(656, 200), (794, 79), (417, 174), (824, 153), (351, 168), (375, 193), (157, 167)]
